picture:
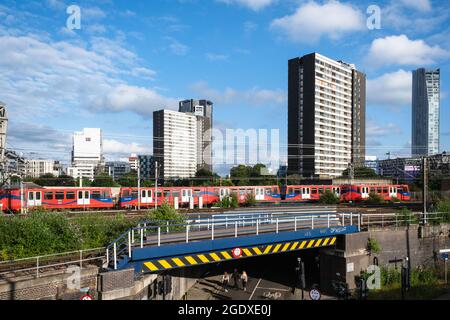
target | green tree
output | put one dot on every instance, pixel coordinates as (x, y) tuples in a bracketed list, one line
[(205, 177), (128, 179), (49, 180), (104, 180)]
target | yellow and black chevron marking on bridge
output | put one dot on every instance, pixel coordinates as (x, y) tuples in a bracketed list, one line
[(218, 256)]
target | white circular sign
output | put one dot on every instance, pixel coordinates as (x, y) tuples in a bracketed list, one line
[(237, 252), (314, 294)]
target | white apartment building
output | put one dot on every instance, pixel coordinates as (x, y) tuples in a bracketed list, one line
[(133, 160), (175, 143), (87, 153), (37, 168), (325, 132)]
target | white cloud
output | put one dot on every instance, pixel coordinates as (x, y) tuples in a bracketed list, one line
[(131, 98), (229, 96), (177, 47), (311, 21), (391, 89), (254, 5), (375, 130), (400, 50), (422, 5), (40, 77), (215, 56), (115, 149)]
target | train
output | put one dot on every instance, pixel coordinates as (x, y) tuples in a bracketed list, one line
[(90, 198)]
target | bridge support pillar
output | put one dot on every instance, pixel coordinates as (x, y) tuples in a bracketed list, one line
[(345, 262)]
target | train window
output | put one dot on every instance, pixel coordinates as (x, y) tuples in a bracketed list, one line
[(105, 194), (268, 192), (159, 194), (274, 191), (378, 190), (176, 194), (321, 191), (86, 194), (38, 196), (125, 193), (30, 196), (166, 194), (70, 195), (59, 195), (385, 190), (242, 192), (48, 196), (314, 191), (96, 195), (297, 191), (134, 194), (80, 194), (143, 193)]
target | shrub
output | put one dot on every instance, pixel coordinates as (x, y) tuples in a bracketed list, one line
[(329, 198), (250, 200), (395, 200), (406, 217), (374, 198), (166, 212), (443, 207), (373, 246), (234, 202)]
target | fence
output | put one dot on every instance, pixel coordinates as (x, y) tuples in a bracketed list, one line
[(39, 264)]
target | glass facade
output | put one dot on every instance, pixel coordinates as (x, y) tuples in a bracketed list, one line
[(425, 112)]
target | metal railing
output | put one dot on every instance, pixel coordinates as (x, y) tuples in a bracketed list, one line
[(383, 220), (222, 226), (39, 264)]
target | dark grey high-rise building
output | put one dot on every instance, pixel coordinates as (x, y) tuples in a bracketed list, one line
[(203, 110), (326, 116), (425, 112)]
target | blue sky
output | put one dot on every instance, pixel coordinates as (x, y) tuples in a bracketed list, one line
[(133, 57)]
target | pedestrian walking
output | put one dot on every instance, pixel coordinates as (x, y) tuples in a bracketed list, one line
[(236, 278), (225, 281), (244, 278)]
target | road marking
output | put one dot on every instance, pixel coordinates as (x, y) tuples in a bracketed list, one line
[(275, 289), (254, 290)]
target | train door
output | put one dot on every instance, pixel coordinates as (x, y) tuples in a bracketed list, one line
[(186, 195), (337, 191), (306, 193), (364, 192), (224, 192), (84, 198), (34, 199), (259, 193), (392, 192), (146, 196)]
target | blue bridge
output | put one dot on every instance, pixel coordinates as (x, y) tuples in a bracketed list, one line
[(153, 247)]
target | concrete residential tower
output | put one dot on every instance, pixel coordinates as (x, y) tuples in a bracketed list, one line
[(203, 110), (425, 112), (175, 144), (326, 116)]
